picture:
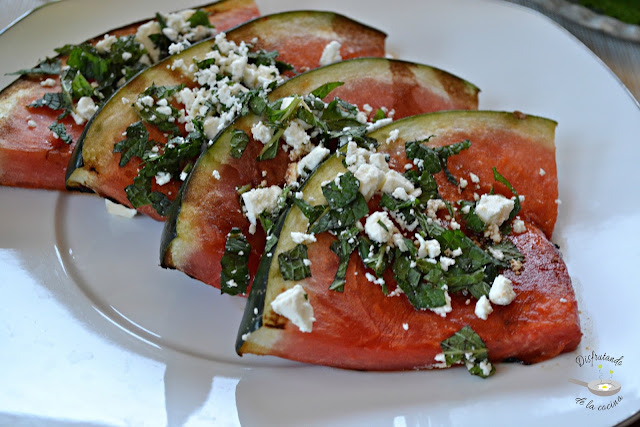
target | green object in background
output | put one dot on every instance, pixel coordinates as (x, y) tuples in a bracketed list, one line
[(623, 10)]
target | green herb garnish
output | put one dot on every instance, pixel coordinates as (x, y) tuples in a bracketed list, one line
[(466, 346), (292, 263), (234, 277)]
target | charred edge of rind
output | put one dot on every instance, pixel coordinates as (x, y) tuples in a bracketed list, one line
[(310, 12), (170, 229), (252, 321)]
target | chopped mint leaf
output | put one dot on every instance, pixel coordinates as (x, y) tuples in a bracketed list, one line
[(135, 144), (61, 131), (86, 59), (466, 346), (435, 159), (338, 219), (509, 252), (239, 141), (234, 277), (292, 263), (324, 90), (139, 194), (374, 256), (421, 293), (199, 17), (262, 57), (426, 182), (343, 247), (270, 149), (472, 220), (340, 194), (311, 212), (380, 114), (278, 115), (52, 100), (48, 66)]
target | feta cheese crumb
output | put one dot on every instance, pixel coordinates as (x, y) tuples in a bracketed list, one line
[(119, 210), (430, 248), (518, 226), (501, 292), (295, 306), (405, 326), (312, 160), (32, 124), (296, 138), (494, 208), (331, 53), (261, 132), (463, 183), (393, 136), (302, 238), (496, 253), (162, 178), (379, 227), (260, 200), (446, 262), (542, 172), (474, 178), (483, 308), (86, 108), (48, 83), (563, 300), (216, 174), (486, 367)]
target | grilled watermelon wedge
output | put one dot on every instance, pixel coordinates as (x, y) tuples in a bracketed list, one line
[(207, 208), (30, 155), (361, 328), (299, 37)]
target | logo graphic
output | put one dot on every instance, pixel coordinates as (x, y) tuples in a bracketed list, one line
[(603, 386)]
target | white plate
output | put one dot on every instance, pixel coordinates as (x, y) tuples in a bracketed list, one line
[(93, 331)]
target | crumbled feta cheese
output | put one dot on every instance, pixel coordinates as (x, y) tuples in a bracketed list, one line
[(124, 100), (430, 248), (163, 178), (104, 45), (563, 300), (119, 210), (312, 160), (542, 172), (494, 208), (394, 179), (398, 242), (126, 56), (261, 132), (501, 292), (405, 326), (446, 308), (331, 53), (371, 179), (295, 306), (378, 124), (165, 110), (302, 238), (31, 123), (142, 36), (463, 183), (493, 232), (456, 253), (518, 226), (433, 206), (483, 308), (212, 125), (86, 108), (48, 83), (260, 200), (446, 262), (373, 279), (474, 178), (486, 367), (393, 136), (454, 225), (296, 137), (175, 48), (379, 227), (216, 174), (496, 253)]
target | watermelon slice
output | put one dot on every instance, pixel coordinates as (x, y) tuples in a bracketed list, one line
[(299, 38), (361, 328), (30, 155), (207, 208)]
